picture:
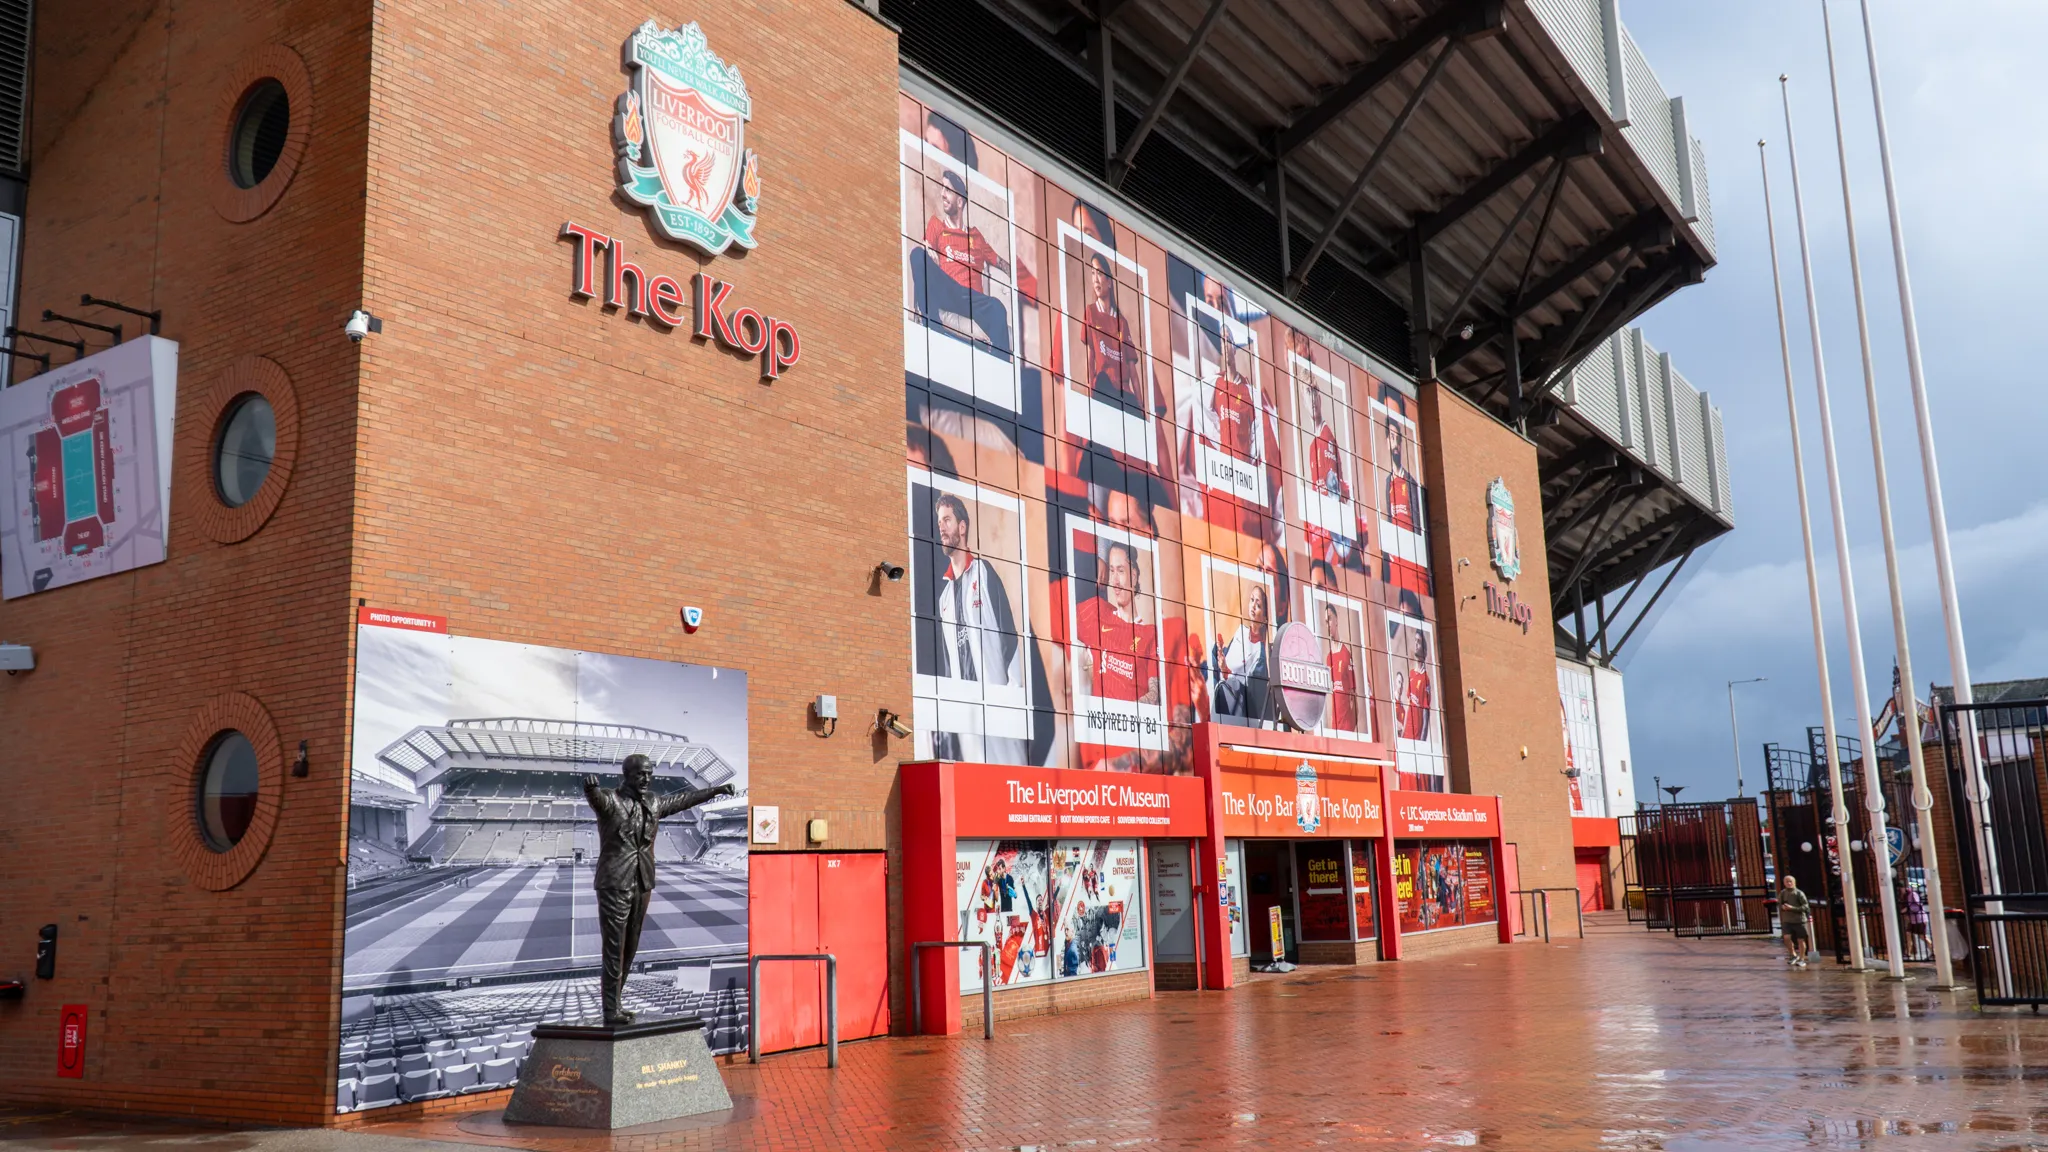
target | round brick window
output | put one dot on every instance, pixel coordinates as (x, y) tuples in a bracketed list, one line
[(230, 791), (256, 140), (245, 464), (227, 791), (266, 116)]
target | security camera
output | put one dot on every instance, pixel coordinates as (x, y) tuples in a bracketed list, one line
[(361, 324), (893, 571), (895, 725)]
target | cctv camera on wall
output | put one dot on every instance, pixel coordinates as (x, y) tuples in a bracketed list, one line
[(361, 324)]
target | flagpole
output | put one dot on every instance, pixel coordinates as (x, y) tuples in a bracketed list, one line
[(1873, 773), (1937, 514), (1859, 690), (1820, 642)]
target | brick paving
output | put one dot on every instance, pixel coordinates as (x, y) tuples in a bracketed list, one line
[(1626, 1040)]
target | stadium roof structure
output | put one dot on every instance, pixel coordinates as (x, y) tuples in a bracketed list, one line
[(522, 744), (1482, 192)]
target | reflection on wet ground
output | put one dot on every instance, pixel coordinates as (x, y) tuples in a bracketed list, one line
[(1626, 1040)]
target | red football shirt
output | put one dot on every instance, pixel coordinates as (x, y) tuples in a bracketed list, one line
[(1111, 353), (962, 252), (1324, 469), (1401, 502), (1344, 690), (1235, 415), (1414, 713), (1124, 654)]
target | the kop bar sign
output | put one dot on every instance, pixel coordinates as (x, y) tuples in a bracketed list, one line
[(680, 136)]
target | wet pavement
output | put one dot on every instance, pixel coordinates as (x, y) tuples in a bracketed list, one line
[(1626, 1040)]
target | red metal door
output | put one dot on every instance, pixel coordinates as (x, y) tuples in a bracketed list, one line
[(782, 917), (1592, 875), (853, 925), (810, 902)]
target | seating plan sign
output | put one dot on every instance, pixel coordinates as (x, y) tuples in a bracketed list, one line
[(85, 474)]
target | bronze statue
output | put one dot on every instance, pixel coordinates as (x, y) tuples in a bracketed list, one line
[(627, 819)]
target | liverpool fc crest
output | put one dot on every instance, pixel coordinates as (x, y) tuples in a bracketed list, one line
[(1308, 800), (1500, 530), (680, 132)]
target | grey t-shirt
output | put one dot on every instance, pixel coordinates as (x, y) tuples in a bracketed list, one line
[(1792, 906)]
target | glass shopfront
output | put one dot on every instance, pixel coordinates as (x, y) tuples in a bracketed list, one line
[(1442, 884)]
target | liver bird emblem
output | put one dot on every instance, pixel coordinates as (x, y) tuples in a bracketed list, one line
[(697, 168)]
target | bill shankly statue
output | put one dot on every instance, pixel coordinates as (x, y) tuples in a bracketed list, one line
[(627, 819)]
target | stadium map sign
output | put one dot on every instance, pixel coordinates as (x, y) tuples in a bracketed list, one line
[(85, 477)]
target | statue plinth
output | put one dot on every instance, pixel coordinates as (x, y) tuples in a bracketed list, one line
[(617, 1076)]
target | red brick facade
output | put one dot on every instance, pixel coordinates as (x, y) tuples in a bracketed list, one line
[(1512, 744), (449, 465), (531, 466)]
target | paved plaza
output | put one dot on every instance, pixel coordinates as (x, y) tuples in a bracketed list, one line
[(1626, 1040)]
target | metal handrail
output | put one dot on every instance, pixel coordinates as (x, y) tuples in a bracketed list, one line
[(988, 984), (1543, 898), (831, 1003)]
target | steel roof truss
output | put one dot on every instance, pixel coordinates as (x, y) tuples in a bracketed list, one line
[(1342, 211), (1455, 20), (1120, 165)]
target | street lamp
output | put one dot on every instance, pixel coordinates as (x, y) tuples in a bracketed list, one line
[(1735, 731), (1674, 789)]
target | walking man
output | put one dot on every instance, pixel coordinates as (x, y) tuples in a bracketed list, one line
[(1794, 910)]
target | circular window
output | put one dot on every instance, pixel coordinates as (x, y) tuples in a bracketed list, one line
[(242, 454), (227, 791), (258, 136)]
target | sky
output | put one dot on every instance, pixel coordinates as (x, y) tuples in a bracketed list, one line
[(405, 679), (1962, 94)]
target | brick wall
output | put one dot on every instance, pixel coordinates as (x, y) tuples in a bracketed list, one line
[(1058, 996), (531, 467), (214, 1002), (1512, 745), (1424, 945)]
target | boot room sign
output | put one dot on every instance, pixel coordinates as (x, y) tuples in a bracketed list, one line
[(679, 134)]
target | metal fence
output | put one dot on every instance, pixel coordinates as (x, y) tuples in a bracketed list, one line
[(1701, 868), (1997, 757)]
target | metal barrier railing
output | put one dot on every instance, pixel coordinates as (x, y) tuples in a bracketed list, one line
[(831, 1003), (988, 984), (1541, 903)]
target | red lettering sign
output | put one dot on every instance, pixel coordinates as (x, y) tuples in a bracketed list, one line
[(1445, 816), (996, 800), (624, 284), (71, 1041), (412, 621)]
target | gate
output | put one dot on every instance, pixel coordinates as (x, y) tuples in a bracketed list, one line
[(2001, 842), (1702, 869), (1803, 826)]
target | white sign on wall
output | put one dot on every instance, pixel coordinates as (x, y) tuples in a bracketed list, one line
[(85, 472)]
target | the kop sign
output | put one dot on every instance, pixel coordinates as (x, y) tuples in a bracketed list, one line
[(679, 133)]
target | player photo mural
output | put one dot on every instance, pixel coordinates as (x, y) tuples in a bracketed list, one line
[(1111, 401), (1229, 435), (974, 658), (1412, 684), (1340, 622), (1238, 613), (475, 908), (1326, 483), (1116, 680), (1170, 446), (966, 284)]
